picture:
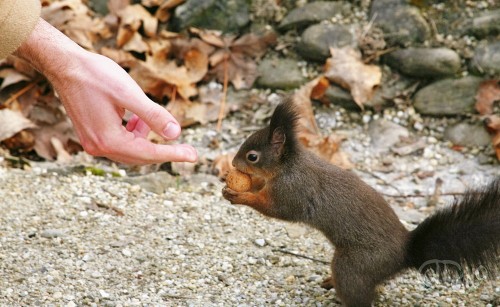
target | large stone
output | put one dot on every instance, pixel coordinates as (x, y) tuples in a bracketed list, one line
[(486, 24), (336, 95), (467, 135), (317, 40), (448, 97), (313, 12), (424, 62), (385, 134), (280, 74), (223, 15), (486, 59), (402, 24)]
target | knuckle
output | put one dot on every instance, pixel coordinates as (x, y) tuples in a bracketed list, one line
[(154, 115)]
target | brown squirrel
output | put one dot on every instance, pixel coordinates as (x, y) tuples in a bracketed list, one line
[(371, 245)]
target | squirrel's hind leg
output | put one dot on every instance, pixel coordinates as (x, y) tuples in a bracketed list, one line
[(353, 285)]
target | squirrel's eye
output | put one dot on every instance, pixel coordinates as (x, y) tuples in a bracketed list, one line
[(253, 156)]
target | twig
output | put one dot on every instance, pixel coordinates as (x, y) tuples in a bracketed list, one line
[(19, 94), (300, 256), (422, 195), (224, 94), (382, 179)]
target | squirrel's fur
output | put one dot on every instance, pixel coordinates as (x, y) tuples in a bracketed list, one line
[(371, 244)]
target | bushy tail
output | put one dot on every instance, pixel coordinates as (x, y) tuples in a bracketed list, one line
[(464, 234)]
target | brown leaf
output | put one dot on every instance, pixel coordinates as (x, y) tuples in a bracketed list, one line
[(74, 19), (319, 90), (308, 132), (346, 68), (12, 123), (235, 57), (222, 164), (135, 15), (487, 94), (11, 76), (44, 135), (23, 141), (189, 113)]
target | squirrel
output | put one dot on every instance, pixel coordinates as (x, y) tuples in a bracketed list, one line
[(290, 183)]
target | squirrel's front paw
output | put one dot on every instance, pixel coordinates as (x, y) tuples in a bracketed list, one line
[(231, 195)]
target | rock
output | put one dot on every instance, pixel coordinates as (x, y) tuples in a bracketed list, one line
[(52, 233), (486, 59), (424, 62), (155, 182), (260, 242), (313, 12), (280, 74), (317, 39), (99, 6), (391, 87), (223, 15), (385, 134), (486, 24), (448, 97), (402, 24), (467, 135), (338, 96)]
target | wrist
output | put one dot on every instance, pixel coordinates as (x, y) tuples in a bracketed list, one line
[(51, 52)]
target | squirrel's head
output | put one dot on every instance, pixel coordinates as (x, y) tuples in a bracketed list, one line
[(266, 150)]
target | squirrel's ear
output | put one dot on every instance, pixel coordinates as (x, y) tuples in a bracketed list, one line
[(278, 139)]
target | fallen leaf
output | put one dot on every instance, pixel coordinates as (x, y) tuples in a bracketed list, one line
[(235, 56), (308, 132), (222, 164), (12, 123), (62, 131), (134, 16), (23, 141), (11, 76), (346, 68), (487, 94), (62, 156)]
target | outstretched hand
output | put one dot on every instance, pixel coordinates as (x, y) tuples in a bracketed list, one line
[(95, 92)]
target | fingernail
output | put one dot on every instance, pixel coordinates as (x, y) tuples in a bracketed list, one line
[(191, 154), (172, 130)]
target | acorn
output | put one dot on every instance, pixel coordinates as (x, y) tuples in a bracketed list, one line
[(238, 181)]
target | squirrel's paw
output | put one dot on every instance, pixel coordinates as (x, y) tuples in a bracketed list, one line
[(230, 194), (328, 283)]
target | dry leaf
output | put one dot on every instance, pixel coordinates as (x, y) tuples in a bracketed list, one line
[(235, 57), (487, 94), (136, 15), (62, 155), (62, 131), (11, 76), (308, 131), (346, 68), (12, 123), (74, 19), (222, 164)]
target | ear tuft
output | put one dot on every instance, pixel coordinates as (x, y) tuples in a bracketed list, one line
[(282, 127)]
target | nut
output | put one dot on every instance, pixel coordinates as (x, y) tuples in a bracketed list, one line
[(238, 181)]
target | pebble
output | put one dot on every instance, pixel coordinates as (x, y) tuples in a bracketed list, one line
[(52, 233), (260, 242), (486, 59), (313, 12), (316, 40)]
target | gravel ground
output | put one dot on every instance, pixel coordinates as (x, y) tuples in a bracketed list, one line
[(71, 239)]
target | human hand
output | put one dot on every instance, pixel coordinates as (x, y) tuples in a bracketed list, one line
[(95, 92)]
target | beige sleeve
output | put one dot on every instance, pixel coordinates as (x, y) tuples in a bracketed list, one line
[(17, 19)]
